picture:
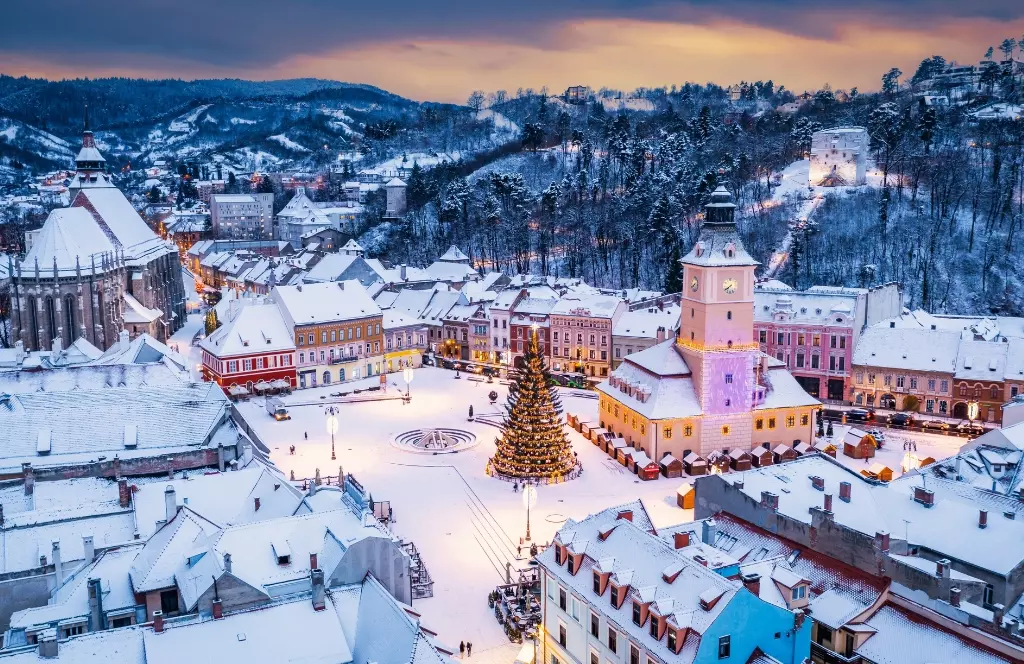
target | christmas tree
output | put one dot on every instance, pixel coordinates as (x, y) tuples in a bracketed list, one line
[(533, 444)]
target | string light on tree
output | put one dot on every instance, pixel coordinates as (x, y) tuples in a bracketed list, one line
[(533, 444)]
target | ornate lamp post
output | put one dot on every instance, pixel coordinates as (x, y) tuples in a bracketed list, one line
[(332, 426), (407, 375), (529, 500)]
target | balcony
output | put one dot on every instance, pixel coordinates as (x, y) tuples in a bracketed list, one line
[(342, 359)]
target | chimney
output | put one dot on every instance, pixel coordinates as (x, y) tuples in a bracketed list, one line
[(89, 548), (818, 482), (882, 541), (625, 514), (122, 340), (58, 569), (313, 561), (738, 483), (58, 344), (124, 496), (96, 605), (845, 489), (158, 621), (341, 285), (954, 596), (924, 496), (682, 540), (170, 503), (660, 335), (752, 582), (828, 502), (29, 477), (998, 613), (256, 504), (48, 647), (942, 568), (218, 609), (708, 532), (983, 518), (770, 501), (227, 563), (316, 579)]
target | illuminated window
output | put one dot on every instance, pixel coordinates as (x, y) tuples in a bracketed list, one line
[(725, 430), (804, 420), (771, 422), (667, 433), (688, 430), (791, 421), (759, 424)]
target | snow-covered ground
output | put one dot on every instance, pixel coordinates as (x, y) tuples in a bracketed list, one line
[(794, 189), (501, 123), (892, 452), (288, 143), (466, 525)]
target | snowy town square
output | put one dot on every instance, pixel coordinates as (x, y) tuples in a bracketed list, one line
[(536, 333)]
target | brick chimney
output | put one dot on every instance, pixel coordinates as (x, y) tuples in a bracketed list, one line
[(313, 561), (316, 580), (95, 587), (924, 496), (942, 568), (625, 514), (954, 596), (752, 582), (256, 504), (29, 477), (998, 613), (882, 541), (48, 647), (158, 621), (218, 609), (983, 518), (818, 482), (845, 491), (682, 540), (770, 501), (124, 496), (828, 502)]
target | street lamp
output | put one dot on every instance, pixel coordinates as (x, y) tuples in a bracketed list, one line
[(407, 375), (332, 426), (530, 501), (972, 411)]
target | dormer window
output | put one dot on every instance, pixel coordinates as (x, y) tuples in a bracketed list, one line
[(730, 250), (636, 614), (672, 641), (597, 583), (571, 566), (799, 592), (699, 249), (654, 628)]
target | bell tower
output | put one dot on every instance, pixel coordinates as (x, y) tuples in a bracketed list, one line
[(716, 335), (90, 166)]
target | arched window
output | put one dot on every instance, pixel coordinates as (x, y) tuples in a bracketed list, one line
[(70, 330), (51, 319), (341, 375), (327, 377), (32, 323)]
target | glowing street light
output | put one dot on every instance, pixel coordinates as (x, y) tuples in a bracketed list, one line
[(530, 501), (972, 411), (332, 426), (407, 375)]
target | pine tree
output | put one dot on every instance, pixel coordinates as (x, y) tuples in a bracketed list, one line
[(533, 444), (674, 276)]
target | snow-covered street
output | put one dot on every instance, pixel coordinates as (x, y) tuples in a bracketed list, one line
[(466, 525)]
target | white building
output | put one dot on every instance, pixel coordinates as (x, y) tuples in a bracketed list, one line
[(839, 156), (242, 216)]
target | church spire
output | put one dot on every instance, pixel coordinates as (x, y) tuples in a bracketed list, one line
[(90, 165)]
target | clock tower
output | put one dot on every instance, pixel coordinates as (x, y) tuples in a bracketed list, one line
[(716, 337)]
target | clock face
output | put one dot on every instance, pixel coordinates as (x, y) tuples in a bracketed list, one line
[(693, 284), (730, 286)]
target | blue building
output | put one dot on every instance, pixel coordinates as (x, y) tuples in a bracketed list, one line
[(614, 592)]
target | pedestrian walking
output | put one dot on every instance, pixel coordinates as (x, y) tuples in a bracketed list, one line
[(305, 434), (462, 649), (469, 648), (515, 487), (519, 551)]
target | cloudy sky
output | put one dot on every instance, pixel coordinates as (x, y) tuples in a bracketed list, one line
[(443, 49)]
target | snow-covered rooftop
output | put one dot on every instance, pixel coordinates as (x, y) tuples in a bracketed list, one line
[(326, 302), (256, 328), (907, 348)]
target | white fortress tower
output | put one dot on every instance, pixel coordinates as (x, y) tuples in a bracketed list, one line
[(839, 157)]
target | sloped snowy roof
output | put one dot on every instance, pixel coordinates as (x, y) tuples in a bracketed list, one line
[(70, 236), (981, 360), (907, 348), (256, 328), (594, 306), (453, 255), (124, 646), (155, 566), (644, 323), (326, 302), (136, 312), (132, 234), (903, 638)]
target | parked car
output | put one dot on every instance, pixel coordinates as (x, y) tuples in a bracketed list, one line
[(938, 425), (901, 420), (878, 435), (860, 415), (832, 414), (428, 361), (970, 428)]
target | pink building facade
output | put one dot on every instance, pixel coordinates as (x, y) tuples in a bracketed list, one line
[(814, 332)]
